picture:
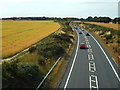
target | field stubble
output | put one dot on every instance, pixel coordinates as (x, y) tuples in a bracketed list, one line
[(109, 25), (18, 35)]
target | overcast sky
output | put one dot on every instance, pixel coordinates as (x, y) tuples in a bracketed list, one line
[(58, 8)]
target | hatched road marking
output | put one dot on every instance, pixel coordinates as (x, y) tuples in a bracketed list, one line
[(90, 57), (90, 51), (93, 82), (92, 67)]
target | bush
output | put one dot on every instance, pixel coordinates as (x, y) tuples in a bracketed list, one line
[(32, 49), (108, 37), (118, 41), (101, 33), (51, 51), (41, 60), (19, 75)]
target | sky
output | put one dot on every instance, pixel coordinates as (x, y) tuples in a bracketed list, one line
[(58, 8)]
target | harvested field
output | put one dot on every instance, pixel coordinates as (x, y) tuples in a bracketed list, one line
[(110, 25), (18, 35)]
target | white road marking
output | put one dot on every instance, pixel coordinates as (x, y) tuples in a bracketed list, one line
[(93, 82), (87, 42), (90, 51), (72, 63), (107, 58), (92, 67), (90, 57), (89, 46)]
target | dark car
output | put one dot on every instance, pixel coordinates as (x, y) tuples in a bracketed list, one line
[(83, 46), (80, 32), (87, 34)]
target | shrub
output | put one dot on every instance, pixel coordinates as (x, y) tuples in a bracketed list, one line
[(101, 33), (19, 75), (41, 60), (32, 49), (108, 37), (118, 41)]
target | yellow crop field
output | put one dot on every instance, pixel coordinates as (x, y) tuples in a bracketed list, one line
[(110, 25), (18, 35)]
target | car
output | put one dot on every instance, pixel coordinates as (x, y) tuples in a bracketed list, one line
[(87, 34), (83, 46), (80, 32), (82, 29)]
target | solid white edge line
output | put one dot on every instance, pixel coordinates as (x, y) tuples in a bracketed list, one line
[(47, 74), (72, 63), (107, 58)]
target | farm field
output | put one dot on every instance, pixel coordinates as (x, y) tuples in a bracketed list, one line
[(110, 25), (18, 35)]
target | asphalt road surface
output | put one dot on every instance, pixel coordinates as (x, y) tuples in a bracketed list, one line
[(91, 68)]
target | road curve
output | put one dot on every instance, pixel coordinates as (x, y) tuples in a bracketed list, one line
[(91, 68)]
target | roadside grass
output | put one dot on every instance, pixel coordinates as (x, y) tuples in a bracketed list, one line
[(56, 75), (30, 69), (109, 38), (18, 35)]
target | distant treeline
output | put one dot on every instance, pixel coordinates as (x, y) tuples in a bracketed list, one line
[(39, 18), (101, 19), (90, 19)]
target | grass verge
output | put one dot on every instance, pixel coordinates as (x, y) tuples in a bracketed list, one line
[(27, 71)]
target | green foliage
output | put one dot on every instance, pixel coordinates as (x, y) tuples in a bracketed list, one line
[(55, 45), (41, 60), (99, 19), (19, 75), (32, 49), (116, 20), (101, 33), (118, 41), (108, 37)]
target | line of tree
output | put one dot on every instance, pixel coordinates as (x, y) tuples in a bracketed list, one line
[(90, 19), (102, 19), (39, 18), (99, 19), (116, 20)]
